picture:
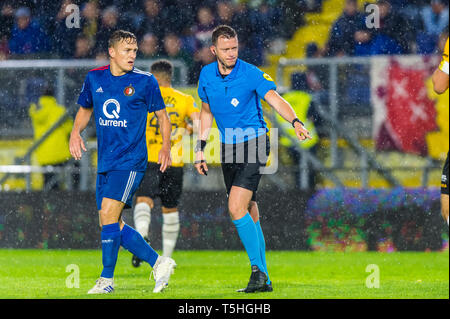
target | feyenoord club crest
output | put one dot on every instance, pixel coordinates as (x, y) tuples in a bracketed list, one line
[(129, 90)]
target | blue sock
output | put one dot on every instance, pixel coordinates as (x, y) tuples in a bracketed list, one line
[(262, 248), (136, 244), (249, 237), (110, 248)]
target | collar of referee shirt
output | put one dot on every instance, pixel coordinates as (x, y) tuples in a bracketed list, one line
[(230, 76)]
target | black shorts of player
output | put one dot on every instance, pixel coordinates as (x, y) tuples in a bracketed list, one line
[(444, 179), (167, 186), (242, 163)]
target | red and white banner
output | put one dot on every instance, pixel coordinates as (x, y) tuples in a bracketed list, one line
[(403, 112)]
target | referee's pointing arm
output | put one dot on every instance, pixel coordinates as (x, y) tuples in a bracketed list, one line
[(285, 110)]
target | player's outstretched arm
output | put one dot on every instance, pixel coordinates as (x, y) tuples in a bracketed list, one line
[(287, 112), (206, 120), (76, 143), (440, 81), (164, 157)]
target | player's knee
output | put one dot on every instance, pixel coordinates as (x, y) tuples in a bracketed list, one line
[(236, 210), (109, 215), (105, 215), (145, 199), (166, 210), (103, 218)]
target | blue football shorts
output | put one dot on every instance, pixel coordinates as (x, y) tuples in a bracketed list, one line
[(118, 185)]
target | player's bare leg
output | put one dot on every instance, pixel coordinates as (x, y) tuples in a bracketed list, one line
[(253, 210), (111, 211), (170, 229), (238, 202), (444, 206)]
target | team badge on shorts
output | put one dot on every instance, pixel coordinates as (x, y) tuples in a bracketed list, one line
[(129, 90)]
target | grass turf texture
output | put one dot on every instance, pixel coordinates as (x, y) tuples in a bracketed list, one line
[(217, 274)]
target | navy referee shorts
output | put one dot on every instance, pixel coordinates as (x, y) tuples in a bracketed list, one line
[(242, 163)]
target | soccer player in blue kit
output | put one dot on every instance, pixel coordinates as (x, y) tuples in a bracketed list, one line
[(120, 96), (231, 91)]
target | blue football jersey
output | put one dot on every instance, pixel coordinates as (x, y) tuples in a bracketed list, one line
[(235, 100), (121, 104)]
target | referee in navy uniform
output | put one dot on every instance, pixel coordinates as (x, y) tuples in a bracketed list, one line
[(231, 91)]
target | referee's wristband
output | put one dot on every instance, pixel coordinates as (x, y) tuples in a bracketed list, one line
[(296, 120), (200, 147)]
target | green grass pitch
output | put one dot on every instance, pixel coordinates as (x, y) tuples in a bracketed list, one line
[(217, 274)]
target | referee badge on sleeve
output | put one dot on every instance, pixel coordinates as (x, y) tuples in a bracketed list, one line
[(267, 77)]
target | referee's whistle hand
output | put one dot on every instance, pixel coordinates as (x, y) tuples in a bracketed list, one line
[(200, 164)]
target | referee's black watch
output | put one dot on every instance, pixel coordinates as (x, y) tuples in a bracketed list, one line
[(296, 120), (200, 147)]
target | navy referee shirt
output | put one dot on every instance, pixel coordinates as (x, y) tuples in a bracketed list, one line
[(235, 100)]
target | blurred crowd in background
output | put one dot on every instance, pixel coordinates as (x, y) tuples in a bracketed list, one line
[(171, 29), (405, 27), (182, 29)]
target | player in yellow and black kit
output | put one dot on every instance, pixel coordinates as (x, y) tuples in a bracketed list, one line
[(168, 185), (440, 84)]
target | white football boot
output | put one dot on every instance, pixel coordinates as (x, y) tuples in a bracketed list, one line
[(103, 286), (164, 268)]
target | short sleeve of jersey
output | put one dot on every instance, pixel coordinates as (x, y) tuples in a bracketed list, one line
[(263, 82), (444, 66), (154, 97), (85, 98), (201, 89)]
